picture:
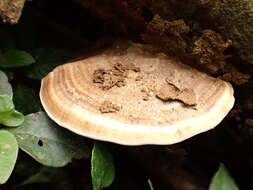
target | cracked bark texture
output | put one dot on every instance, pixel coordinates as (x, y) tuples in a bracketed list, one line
[(10, 10)]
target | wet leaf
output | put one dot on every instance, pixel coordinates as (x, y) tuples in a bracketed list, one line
[(222, 180), (3, 60), (48, 143), (16, 58), (8, 154), (5, 87), (102, 167), (6, 107), (8, 115), (13, 120)]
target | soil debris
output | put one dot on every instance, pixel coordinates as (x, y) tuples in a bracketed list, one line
[(147, 93), (171, 92), (98, 76), (171, 77), (236, 77), (249, 122), (167, 35), (187, 96), (139, 78), (113, 77), (120, 67), (134, 68), (109, 107), (109, 78), (168, 92)]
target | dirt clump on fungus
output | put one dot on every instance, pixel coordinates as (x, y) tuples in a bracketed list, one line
[(170, 91), (108, 78), (116, 77), (147, 93), (109, 107), (113, 77)]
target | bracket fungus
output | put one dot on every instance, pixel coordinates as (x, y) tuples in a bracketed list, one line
[(131, 95)]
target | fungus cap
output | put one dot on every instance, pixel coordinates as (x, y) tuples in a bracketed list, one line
[(115, 97)]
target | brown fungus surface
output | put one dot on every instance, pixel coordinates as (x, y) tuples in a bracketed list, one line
[(132, 114)]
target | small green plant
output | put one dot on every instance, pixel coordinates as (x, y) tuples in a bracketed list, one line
[(222, 180), (35, 134), (9, 153), (15, 58), (150, 184), (11, 118), (102, 167)]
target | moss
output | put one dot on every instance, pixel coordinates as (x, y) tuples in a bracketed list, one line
[(231, 74), (167, 35), (209, 48), (176, 38), (234, 20), (238, 16)]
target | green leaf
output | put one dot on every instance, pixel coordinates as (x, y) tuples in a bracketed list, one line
[(222, 180), (5, 87), (102, 167), (150, 184), (13, 120), (6, 103), (16, 58), (6, 107), (3, 60), (48, 143), (46, 61), (8, 115), (8, 154), (24, 94)]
